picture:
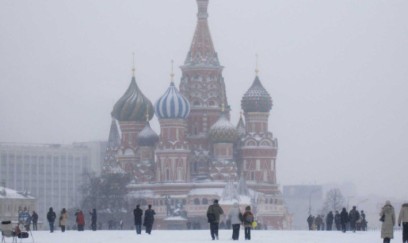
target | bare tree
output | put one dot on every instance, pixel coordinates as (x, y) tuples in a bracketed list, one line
[(334, 201)]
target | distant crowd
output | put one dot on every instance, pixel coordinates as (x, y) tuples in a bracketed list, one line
[(343, 221)]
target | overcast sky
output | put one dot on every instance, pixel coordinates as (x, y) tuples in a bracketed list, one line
[(337, 72)]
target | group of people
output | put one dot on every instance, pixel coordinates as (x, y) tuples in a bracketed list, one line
[(353, 220), (63, 219), (148, 219), (25, 219), (235, 216)]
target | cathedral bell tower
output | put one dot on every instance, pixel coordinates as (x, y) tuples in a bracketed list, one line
[(202, 82)]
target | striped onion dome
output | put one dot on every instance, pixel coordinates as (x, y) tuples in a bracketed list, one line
[(133, 105), (172, 105), (147, 137), (256, 99), (222, 131)]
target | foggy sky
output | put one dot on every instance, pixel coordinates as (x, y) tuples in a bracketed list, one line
[(336, 70)]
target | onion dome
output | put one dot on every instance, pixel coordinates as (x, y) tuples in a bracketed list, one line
[(172, 105), (133, 105), (256, 99), (147, 137), (223, 131)]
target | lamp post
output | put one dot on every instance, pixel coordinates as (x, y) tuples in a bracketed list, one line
[(310, 199)]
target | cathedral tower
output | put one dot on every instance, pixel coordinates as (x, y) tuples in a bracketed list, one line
[(259, 148), (172, 154), (202, 82)]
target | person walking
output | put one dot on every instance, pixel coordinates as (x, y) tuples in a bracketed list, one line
[(310, 221), (329, 221), (138, 213), (354, 216), (319, 222), (80, 220), (403, 219), (63, 219), (248, 220), (149, 219), (387, 217), (34, 219), (93, 219), (51, 219), (337, 220), (344, 218), (214, 212), (235, 217)]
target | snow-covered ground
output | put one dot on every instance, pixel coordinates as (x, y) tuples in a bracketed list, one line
[(196, 236)]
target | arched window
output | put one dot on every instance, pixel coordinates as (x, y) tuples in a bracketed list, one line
[(205, 201), (196, 201)]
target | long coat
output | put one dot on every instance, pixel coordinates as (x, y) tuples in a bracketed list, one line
[(63, 219), (149, 217), (387, 227), (138, 213), (234, 213)]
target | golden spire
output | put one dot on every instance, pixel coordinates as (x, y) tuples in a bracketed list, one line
[(256, 65), (133, 67)]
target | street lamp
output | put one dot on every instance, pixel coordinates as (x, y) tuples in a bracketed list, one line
[(310, 199)]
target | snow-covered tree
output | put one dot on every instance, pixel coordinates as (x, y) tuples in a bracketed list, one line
[(334, 201)]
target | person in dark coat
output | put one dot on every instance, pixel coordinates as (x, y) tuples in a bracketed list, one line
[(213, 215), (403, 219), (363, 221), (51, 216), (344, 219), (329, 221), (248, 220), (149, 219), (34, 219), (337, 220), (138, 213), (310, 221), (93, 219), (354, 216), (319, 222)]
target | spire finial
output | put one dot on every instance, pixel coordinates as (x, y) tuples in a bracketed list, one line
[(256, 64), (133, 66), (202, 9), (147, 114), (172, 71)]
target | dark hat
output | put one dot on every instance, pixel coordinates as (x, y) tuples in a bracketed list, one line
[(215, 200)]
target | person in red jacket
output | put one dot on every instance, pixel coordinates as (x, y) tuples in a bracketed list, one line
[(80, 220)]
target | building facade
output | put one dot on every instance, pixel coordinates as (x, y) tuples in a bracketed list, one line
[(13, 202), (52, 173), (199, 155)]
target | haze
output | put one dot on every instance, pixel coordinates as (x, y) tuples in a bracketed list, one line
[(336, 70)]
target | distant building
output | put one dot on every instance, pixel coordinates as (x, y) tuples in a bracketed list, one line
[(52, 173), (199, 155), (12, 202), (301, 201)]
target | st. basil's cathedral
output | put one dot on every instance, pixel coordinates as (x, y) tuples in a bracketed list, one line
[(199, 155)]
